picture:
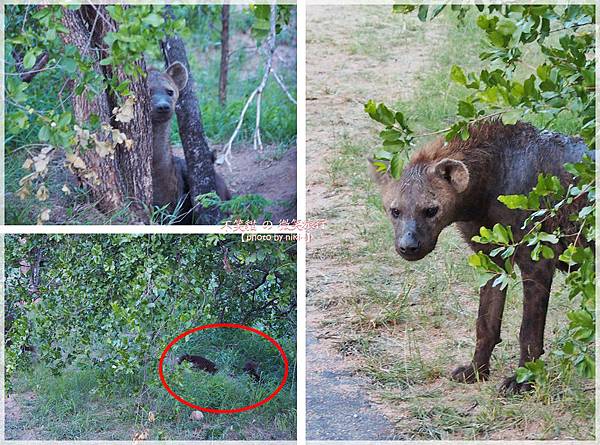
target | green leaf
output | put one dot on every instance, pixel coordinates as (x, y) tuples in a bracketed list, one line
[(51, 34), (475, 260), (511, 117), (458, 75), (403, 9), (154, 20), (506, 27), (44, 133), (386, 116), (29, 59), (384, 154), (547, 252), (543, 72), (69, 65), (436, 11), (399, 117), (529, 87), (422, 14), (371, 109), (547, 237), (514, 201), (396, 166), (500, 234), (466, 109), (390, 135)]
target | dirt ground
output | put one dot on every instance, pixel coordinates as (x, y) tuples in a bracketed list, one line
[(404, 326), (341, 73), (270, 173), (14, 407)]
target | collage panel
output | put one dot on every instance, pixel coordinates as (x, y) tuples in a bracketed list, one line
[(150, 337), (481, 119), (150, 114)]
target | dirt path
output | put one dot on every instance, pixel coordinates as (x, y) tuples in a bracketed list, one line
[(337, 408), (349, 59), (16, 407)]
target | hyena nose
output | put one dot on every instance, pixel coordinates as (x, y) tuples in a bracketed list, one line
[(163, 107), (408, 244)]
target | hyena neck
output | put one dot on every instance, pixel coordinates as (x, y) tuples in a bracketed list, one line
[(479, 195), (161, 150)]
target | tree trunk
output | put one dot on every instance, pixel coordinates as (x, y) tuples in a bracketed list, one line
[(116, 180), (224, 55), (201, 172)]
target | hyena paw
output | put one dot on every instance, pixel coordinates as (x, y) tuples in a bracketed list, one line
[(510, 386), (471, 373)]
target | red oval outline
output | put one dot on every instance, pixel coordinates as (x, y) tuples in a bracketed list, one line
[(223, 325)]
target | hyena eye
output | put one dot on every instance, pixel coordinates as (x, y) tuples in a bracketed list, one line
[(170, 92), (430, 212), (395, 213)]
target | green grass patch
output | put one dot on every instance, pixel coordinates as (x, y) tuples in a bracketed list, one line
[(81, 404)]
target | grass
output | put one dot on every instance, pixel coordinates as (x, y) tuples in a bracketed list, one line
[(82, 404), (407, 325)]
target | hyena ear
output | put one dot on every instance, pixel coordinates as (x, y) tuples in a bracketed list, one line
[(179, 74), (453, 171), (381, 177)]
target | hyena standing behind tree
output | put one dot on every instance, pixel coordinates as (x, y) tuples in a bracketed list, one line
[(459, 182), (169, 172)]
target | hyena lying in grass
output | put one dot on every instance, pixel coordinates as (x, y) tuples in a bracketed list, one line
[(459, 182), (169, 173), (204, 364)]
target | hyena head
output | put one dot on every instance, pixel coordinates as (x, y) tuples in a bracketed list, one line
[(164, 90), (422, 202)]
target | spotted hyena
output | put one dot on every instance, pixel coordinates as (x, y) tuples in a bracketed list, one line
[(459, 182), (169, 172)]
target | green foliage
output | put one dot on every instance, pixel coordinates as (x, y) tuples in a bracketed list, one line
[(397, 137), (262, 14), (563, 84), (242, 208), (140, 29), (114, 302), (533, 371)]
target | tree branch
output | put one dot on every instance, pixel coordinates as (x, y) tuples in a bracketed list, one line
[(257, 92), (40, 63)]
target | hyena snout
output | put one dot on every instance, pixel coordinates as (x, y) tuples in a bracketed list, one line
[(413, 240), (162, 108), (408, 245)]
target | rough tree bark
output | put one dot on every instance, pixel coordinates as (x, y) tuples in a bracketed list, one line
[(201, 172), (224, 55), (113, 181)]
